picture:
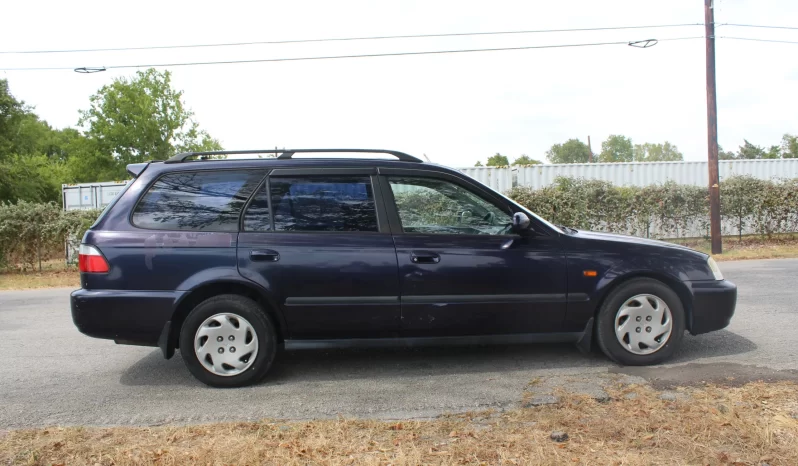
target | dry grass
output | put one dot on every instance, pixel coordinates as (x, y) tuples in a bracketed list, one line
[(750, 247), (54, 274), (752, 424)]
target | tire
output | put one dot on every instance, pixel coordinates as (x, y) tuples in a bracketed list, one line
[(218, 317), (620, 308)]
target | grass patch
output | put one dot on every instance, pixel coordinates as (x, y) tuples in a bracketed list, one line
[(749, 247), (751, 424), (54, 274)]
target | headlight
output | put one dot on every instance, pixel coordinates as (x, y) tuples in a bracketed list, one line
[(713, 266)]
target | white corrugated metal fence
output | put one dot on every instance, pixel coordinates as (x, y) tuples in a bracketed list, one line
[(90, 195), (630, 174)]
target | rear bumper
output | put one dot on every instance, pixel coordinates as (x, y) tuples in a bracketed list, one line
[(713, 305), (129, 317)]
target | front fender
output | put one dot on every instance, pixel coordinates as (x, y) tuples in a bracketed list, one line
[(611, 271)]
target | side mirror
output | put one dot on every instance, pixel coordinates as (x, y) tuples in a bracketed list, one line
[(521, 222)]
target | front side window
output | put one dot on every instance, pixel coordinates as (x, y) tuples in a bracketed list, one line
[(428, 205), (314, 203), (196, 201)]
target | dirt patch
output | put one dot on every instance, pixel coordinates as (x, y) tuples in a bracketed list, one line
[(748, 247), (724, 374), (751, 424), (54, 274)]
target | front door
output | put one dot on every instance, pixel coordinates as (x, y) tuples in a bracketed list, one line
[(461, 270), (315, 240)]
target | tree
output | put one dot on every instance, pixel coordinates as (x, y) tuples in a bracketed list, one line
[(478, 164), (665, 152), (571, 151), (789, 146), (525, 160), (617, 149), (143, 118), (12, 111), (751, 151), (725, 155), (498, 160)]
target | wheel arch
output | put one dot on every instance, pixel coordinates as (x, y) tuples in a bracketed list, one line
[(207, 290), (681, 290)]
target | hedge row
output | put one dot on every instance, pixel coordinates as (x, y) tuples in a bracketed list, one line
[(666, 210), (31, 232)]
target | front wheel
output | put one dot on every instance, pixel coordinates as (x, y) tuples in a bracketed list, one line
[(640, 323), (228, 341)]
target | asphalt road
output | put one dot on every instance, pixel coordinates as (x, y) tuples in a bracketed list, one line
[(52, 374)]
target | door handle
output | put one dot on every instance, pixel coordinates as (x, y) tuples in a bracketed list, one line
[(266, 255), (424, 258)]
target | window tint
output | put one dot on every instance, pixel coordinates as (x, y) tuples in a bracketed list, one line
[(196, 201), (314, 203), (429, 205)]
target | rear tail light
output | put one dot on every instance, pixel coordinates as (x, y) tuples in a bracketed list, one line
[(91, 260)]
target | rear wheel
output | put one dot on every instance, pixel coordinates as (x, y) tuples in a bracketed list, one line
[(228, 341), (640, 323)]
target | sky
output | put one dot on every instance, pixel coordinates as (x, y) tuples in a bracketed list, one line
[(455, 108)]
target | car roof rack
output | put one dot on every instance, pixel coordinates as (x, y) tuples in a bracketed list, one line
[(289, 153)]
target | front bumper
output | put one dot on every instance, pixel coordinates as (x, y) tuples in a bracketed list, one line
[(713, 305), (130, 317)]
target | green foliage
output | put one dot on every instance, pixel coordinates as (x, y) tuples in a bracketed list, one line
[(31, 178), (741, 198), (788, 149), (36, 231), (478, 164), (665, 152), (498, 160), (130, 120), (12, 112), (766, 206), (750, 151), (725, 155), (526, 160), (789, 146), (616, 149), (777, 207), (143, 118), (571, 151)]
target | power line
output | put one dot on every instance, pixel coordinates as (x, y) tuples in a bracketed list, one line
[(759, 40), (335, 57), (758, 26), (341, 39)]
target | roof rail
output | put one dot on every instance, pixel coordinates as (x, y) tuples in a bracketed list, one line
[(289, 153)]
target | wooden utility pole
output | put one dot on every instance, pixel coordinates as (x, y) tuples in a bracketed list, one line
[(590, 149), (712, 130)]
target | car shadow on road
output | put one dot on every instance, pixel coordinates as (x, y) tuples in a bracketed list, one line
[(713, 344), (353, 364)]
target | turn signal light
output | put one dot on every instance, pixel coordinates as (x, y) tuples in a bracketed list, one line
[(589, 273), (90, 260)]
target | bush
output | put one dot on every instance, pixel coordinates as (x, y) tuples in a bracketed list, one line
[(665, 210), (31, 232)]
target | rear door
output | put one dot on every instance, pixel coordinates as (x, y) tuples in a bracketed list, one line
[(320, 242), (461, 270)]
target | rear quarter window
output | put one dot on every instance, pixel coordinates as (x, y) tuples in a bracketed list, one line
[(196, 201), (314, 203)]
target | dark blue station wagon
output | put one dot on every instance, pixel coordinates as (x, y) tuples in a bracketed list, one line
[(229, 259)]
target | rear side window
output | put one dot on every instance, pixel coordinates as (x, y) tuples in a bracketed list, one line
[(314, 203), (196, 201)]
